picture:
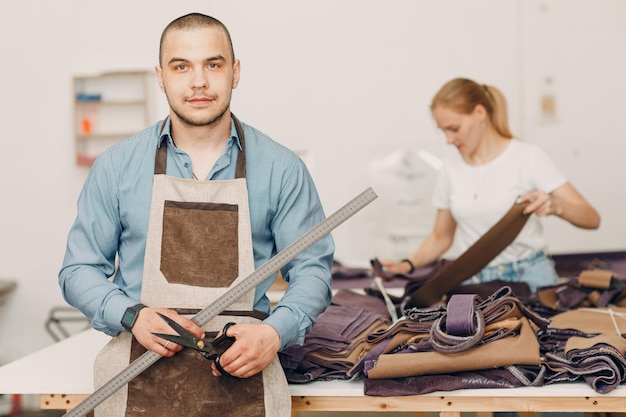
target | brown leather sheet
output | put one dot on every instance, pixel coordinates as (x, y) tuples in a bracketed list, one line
[(591, 320), (515, 350)]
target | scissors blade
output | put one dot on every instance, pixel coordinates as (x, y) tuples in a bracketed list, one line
[(184, 337), (177, 339)]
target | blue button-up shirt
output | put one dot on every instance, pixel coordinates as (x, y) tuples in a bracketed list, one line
[(108, 238)]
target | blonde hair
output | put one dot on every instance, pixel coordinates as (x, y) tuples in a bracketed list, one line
[(462, 95)]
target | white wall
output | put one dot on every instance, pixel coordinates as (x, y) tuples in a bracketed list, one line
[(344, 80), (580, 45)]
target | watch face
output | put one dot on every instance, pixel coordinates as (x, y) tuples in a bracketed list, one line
[(128, 319), (129, 316)]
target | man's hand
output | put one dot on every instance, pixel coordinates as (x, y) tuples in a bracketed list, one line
[(255, 347), (149, 322)]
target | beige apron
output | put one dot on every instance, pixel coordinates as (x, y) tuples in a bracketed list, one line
[(199, 244)]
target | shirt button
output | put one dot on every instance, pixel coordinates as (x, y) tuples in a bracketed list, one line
[(186, 164)]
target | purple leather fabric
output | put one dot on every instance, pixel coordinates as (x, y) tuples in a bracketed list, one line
[(462, 315), (462, 327), (329, 348), (339, 271), (488, 378), (602, 367)]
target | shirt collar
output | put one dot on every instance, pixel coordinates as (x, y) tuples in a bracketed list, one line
[(233, 134), (165, 133)]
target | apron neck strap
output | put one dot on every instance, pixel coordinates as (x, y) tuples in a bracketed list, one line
[(241, 158), (160, 160)]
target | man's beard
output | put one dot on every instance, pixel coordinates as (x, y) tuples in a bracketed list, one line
[(199, 122)]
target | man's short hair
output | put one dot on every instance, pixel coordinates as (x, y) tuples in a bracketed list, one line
[(195, 21)]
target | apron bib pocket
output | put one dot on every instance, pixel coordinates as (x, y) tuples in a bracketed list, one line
[(200, 243)]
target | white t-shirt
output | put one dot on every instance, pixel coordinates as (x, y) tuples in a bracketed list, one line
[(479, 196)]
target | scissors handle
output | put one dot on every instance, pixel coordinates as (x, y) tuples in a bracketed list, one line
[(216, 361), (223, 338), (207, 349)]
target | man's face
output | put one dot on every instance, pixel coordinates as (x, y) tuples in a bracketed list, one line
[(197, 74)]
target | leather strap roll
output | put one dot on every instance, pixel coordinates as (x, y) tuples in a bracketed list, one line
[(461, 315), (462, 327), (595, 278)]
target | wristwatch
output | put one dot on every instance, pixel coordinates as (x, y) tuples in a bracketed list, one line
[(130, 316)]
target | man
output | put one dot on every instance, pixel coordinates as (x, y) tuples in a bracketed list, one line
[(201, 145)]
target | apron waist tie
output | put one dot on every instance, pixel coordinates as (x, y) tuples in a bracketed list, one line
[(237, 313)]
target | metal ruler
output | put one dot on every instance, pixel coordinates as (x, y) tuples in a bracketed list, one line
[(229, 297)]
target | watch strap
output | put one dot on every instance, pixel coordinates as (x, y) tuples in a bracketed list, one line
[(130, 316)]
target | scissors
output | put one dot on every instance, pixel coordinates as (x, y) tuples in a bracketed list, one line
[(206, 347)]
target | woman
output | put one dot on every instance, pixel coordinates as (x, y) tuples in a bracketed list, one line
[(480, 180)]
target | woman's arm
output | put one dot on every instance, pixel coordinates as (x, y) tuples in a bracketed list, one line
[(565, 202), (431, 249)]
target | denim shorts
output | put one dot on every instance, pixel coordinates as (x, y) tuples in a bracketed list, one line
[(536, 270)]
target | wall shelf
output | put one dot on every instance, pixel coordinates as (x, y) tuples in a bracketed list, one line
[(109, 107)]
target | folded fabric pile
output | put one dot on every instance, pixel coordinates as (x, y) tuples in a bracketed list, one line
[(586, 345), (337, 340), (471, 343), (486, 336)]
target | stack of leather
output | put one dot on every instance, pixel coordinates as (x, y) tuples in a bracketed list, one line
[(586, 345), (470, 343), (592, 288), (337, 341)]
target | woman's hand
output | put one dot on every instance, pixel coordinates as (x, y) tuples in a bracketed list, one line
[(541, 203), (395, 267), (565, 202)]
